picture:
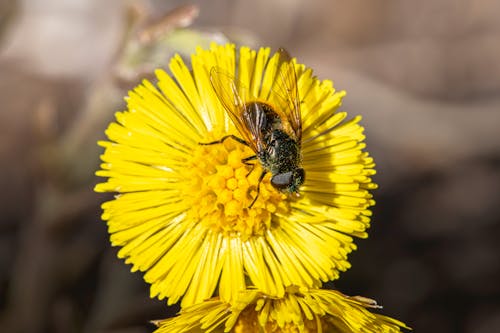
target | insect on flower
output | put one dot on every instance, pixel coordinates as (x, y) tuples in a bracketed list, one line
[(273, 132), (179, 202)]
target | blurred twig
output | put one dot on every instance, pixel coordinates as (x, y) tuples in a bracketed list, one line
[(180, 17)]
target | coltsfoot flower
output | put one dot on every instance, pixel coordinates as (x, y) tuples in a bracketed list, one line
[(305, 311), (181, 213)]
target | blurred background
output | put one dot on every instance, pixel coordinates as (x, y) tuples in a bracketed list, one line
[(425, 76)]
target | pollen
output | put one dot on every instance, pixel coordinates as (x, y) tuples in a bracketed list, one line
[(220, 189)]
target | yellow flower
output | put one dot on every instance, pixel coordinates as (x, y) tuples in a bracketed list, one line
[(307, 311), (182, 211)]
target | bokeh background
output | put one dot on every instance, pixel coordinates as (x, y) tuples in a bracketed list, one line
[(425, 76)]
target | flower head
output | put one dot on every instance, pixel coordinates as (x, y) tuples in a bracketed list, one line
[(305, 311), (182, 212)]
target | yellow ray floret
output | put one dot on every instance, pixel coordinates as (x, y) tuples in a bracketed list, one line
[(302, 311)]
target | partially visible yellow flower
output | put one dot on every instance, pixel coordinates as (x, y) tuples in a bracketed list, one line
[(305, 311), (181, 213)]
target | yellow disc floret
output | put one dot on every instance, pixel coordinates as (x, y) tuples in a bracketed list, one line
[(221, 187)]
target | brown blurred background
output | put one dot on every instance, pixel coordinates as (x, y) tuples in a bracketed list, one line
[(425, 76)]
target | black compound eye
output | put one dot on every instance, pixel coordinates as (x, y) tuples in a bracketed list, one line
[(282, 180)]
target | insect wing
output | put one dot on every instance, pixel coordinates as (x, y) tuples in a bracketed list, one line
[(235, 103), (287, 90)]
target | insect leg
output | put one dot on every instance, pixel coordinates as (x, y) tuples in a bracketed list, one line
[(258, 188), (224, 138), (250, 158)]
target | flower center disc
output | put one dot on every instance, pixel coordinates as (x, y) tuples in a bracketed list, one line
[(220, 188)]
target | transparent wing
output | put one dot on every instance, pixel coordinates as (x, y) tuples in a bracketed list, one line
[(287, 90), (235, 103)]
